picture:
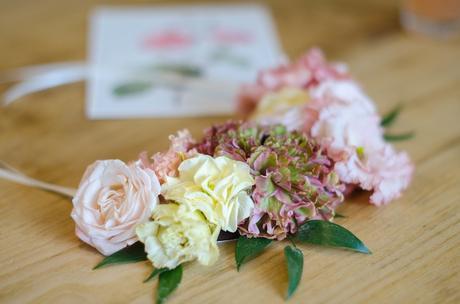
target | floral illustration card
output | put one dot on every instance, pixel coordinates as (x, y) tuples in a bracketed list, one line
[(176, 61)]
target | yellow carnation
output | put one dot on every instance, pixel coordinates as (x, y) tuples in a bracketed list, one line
[(215, 186), (177, 235), (279, 103)]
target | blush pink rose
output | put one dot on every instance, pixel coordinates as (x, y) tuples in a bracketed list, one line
[(112, 199)]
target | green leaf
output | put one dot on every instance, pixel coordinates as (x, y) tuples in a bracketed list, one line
[(389, 118), (169, 280), (131, 88), (154, 273), (398, 137), (329, 234), (131, 254), (248, 248), (294, 262)]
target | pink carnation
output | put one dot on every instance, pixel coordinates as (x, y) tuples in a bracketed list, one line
[(353, 138), (385, 172), (309, 71), (166, 163), (345, 122), (346, 119), (349, 128)]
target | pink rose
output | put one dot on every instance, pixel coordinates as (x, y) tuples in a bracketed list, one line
[(112, 199)]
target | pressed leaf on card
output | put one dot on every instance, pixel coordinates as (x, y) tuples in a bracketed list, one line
[(130, 88)]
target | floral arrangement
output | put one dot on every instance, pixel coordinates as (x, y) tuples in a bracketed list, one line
[(311, 137)]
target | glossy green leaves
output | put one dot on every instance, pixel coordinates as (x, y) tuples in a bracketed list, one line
[(248, 248), (131, 254), (329, 234), (294, 263), (168, 282)]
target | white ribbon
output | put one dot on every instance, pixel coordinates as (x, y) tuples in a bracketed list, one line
[(42, 77), (9, 173)]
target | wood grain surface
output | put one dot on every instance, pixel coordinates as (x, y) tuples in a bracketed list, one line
[(415, 241)]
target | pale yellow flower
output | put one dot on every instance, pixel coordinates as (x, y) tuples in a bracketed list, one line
[(276, 104), (215, 186), (177, 235)]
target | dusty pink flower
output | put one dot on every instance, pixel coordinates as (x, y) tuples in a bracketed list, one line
[(346, 119), (309, 71), (112, 199), (348, 126), (340, 117), (166, 163), (385, 172)]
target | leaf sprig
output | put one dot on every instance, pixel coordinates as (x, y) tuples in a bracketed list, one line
[(169, 279), (168, 282), (294, 263), (248, 248), (329, 234), (388, 120), (130, 254), (316, 232), (398, 137)]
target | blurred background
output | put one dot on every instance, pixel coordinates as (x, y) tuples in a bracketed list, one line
[(58, 29), (356, 31)]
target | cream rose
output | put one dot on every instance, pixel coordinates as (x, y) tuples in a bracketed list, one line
[(215, 186), (177, 235), (111, 200)]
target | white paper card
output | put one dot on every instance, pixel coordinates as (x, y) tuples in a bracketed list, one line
[(175, 61)]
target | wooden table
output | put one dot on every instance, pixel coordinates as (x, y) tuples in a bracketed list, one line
[(415, 241)]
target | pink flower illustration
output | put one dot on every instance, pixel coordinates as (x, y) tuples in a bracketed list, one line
[(168, 39)]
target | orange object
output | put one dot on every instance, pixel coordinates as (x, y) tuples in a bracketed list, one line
[(440, 18)]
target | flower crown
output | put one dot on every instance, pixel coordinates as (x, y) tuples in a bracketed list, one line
[(311, 137)]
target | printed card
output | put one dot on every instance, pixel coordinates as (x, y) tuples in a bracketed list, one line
[(176, 61)]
